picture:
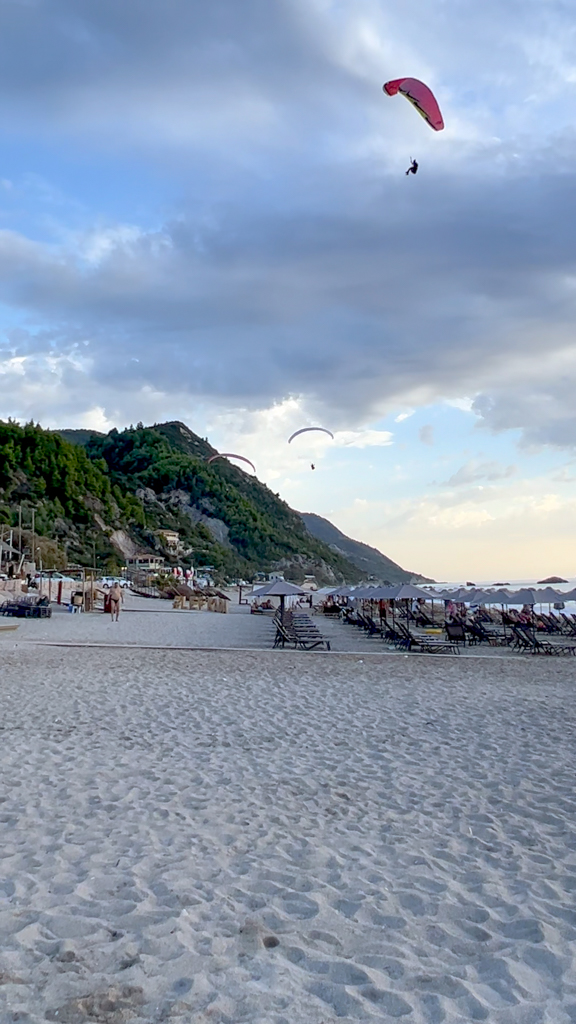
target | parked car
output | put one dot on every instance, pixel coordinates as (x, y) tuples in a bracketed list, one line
[(56, 577), (108, 581)]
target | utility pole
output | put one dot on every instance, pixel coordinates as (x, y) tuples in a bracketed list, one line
[(20, 530), (33, 544)]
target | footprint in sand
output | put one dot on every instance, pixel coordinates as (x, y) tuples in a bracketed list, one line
[(113, 1006), (253, 938)]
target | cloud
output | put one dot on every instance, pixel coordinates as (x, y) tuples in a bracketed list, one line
[(426, 434), (539, 405), (474, 471), (364, 438), (520, 530), (292, 257)]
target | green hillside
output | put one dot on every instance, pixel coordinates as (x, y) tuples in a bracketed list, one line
[(227, 517), (68, 492), (105, 496), (80, 436)]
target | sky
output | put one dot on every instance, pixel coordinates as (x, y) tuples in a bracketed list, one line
[(204, 216)]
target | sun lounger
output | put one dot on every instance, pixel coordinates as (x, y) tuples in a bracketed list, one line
[(478, 633), (456, 632), (391, 635), (299, 631), (427, 644), (525, 641)]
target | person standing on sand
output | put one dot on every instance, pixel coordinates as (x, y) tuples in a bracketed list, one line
[(116, 597)]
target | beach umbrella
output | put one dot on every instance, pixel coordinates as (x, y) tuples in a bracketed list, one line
[(434, 595), (500, 596), (281, 589), (458, 595), (404, 592), (480, 597), (548, 595), (343, 591), (524, 596), (365, 593), (401, 592), (530, 597)]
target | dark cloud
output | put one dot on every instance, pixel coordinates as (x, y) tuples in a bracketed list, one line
[(542, 411), (350, 308), (298, 259)]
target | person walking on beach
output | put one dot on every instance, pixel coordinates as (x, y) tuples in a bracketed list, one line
[(116, 597)]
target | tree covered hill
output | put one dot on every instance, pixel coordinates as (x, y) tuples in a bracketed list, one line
[(103, 495), (229, 518)]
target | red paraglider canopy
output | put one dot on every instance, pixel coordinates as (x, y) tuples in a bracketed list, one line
[(230, 455), (420, 96)]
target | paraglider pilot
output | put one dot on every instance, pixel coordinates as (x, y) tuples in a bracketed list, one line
[(312, 466), (413, 169)]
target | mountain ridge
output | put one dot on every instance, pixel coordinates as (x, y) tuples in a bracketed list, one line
[(355, 560), (366, 558)]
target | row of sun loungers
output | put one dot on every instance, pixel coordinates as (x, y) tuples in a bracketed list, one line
[(526, 640), (296, 629), (400, 635), (518, 638)]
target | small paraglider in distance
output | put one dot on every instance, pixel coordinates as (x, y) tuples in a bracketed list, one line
[(305, 430), (312, 466), (413, 169), (420, 96), (230, 455)]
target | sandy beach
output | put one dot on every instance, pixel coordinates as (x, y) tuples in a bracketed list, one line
[(277, 837), (146, 622)]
